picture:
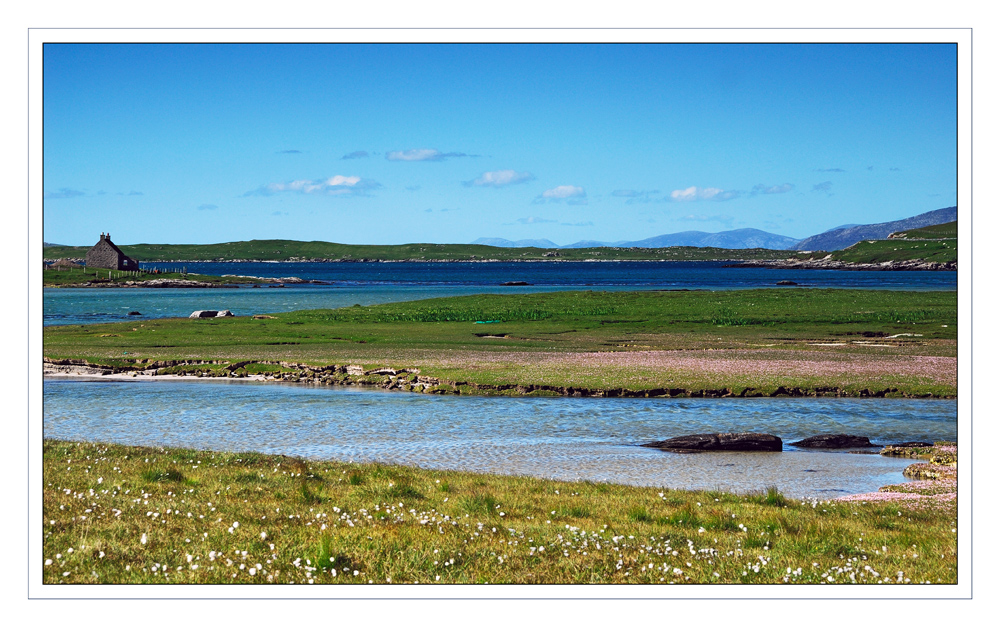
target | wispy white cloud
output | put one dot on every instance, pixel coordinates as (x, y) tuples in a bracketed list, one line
[(500, 178), (63, 192), (564, 191), (633, 193), (587, 223), (633, 196), (357, 154), (702, 193), (422, 154), (534, 220), (760, 188), (337, 185), (572, 194)]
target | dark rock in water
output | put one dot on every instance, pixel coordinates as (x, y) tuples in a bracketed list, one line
[(907, 444), (786, 283), (720, 442), (835, 440), (134, 313), (515, 283)]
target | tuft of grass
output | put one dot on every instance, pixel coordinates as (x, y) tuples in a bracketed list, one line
[(158, 475), (771, 497), (479, 503), (639, 514)]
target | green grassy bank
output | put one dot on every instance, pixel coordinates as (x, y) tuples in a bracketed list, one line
[(118, 514), (853, 342), (936, 244)]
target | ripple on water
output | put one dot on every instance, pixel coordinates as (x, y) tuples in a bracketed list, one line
[(560, 438)]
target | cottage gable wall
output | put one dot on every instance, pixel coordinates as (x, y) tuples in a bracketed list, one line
[(105, 254)]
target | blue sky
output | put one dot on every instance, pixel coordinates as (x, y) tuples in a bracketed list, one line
[(389, 144)]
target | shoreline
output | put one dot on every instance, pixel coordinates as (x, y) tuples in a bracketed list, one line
[(781, 264), (410, 380), (909, 265)]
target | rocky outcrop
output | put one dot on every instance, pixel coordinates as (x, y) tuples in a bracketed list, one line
[(211, 313), (170, 283), (720, 442), (835, 440), (906, 449), (832, 264)]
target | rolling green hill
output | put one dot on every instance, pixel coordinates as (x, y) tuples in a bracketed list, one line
[(948, 230), (292, 250), (936, 244)]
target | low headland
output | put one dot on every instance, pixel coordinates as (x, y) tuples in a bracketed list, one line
[(802, 342), (928, 248), (127, 515), (84, 277)]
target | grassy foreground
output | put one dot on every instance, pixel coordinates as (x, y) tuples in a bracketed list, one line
[(754, 342), (118, 514)]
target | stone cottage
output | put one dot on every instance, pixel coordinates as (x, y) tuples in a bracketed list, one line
[(105, 254)]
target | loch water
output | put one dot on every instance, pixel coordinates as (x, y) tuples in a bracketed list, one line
[(561, 438), (370, 283), (595, 439)]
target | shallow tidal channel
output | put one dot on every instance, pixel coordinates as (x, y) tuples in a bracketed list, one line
[(593, 439)]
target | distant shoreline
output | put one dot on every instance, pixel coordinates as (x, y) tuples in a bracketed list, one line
[(910, 265)]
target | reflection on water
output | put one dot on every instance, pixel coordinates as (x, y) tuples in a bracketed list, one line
[(561, 438)]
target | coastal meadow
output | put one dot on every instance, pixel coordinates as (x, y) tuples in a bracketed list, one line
[(123, 514)]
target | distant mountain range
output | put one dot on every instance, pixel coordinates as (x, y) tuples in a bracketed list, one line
[(844, 237), (739, 238), (833, 239), (500, 242)]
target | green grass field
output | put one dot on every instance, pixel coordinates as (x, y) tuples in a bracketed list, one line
[(131, 515), (853, 342)]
